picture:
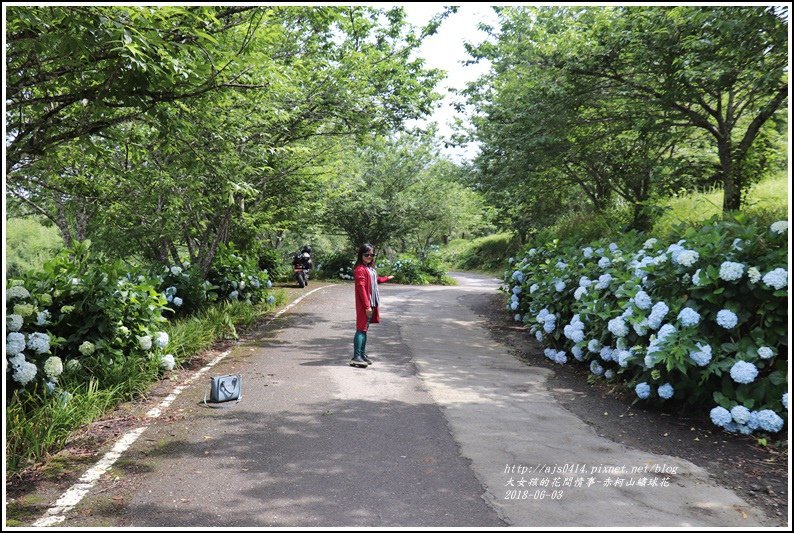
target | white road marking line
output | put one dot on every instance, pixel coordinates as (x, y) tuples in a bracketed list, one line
[(55, 514)]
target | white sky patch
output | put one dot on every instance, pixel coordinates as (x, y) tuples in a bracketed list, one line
[(445, 51)]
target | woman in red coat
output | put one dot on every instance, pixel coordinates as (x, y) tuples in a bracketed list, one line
[(366, 280)]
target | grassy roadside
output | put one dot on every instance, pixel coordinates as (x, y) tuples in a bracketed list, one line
[(41, 425)]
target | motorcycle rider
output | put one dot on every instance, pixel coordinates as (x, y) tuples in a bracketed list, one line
[(303, 260)]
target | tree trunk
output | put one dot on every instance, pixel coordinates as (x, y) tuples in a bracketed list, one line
[(731, 180)]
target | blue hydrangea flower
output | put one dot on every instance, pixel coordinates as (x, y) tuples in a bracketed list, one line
[(559, 285), (666, 331), (577, 353), (765, 352), (701, 357), (618, 327), (178, 301), (603, 281), (752, 423), (533, 288), (731, 271), (606, 353), (39, 342), (784, 400), (688, 317), (604, 262), (517, 317), (596, 368), (623, 358), (588, 252), (643, 390), (594, 345), (579, 292), (609, 374), (687, 258), (769, 420), (642, 300), (666, 391), (658, 312), (585, 282), (720, 416), (641, 327), (514, 305), (740, 414), (743, 372), (744, 429), (516, 290), (727, 319), (778, 278), (539, 335)]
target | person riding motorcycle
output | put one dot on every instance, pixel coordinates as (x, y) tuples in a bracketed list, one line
[(302, 263)]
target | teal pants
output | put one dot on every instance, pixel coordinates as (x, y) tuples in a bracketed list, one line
[(360, 343)]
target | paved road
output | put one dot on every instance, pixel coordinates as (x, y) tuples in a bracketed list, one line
[(444, 429)]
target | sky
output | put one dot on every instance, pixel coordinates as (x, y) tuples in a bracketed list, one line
[(445, 51)]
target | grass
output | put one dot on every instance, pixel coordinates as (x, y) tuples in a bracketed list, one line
[(767, 199)]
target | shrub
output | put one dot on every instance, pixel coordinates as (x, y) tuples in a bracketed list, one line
[(699, 320), (337, 265), (81, 311), (237, 278), (410, 270)]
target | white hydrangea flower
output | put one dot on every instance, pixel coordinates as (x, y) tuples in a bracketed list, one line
[(175, 270), (15, 343), (39, 342), (687, 258), (14, 322), (87, 348), (731, 271), (777, 278), (650, 243), (53, 367), (17, 292), (765, 352), (754, 274), (780, 227), (161, 339), (43, 318), (167, 362), (73, 364), (177, 301), (145, 342), (24, 372)]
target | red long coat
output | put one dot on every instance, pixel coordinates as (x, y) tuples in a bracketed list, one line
[(363, 295)]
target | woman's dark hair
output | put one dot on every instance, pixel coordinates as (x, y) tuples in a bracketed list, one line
[(366, 247)]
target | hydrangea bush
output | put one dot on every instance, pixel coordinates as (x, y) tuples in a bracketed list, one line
[(701, 321), (185, 290), (80, 314), (415, 271), (235, 277)]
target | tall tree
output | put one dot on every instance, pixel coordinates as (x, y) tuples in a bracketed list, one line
[(720, 69)]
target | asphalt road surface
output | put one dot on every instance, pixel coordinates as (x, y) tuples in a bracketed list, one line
[(444, 429)]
